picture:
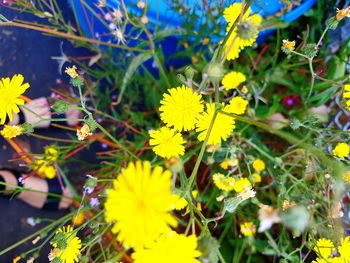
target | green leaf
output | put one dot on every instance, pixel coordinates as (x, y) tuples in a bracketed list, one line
[(324, 96), (134, 65), (3, 19)]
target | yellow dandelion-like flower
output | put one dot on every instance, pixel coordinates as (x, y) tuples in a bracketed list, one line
[(51, 153), (245, 32), (346, 95), (342, 13), (167, 143), (259, 165), (248, 229), (181, 108), (10, 92), (344, 249), (10, 132), (288, 45), (241, 184), (223, 183), (222, 128), (170, 248), (180, 202), (237, 105), (72, 71), (324, 247), (346, 177), (140, 204), (228, 163), (78, 219), (70, 253), (233, 79), (257, 177), (45, 169), (341, 150)]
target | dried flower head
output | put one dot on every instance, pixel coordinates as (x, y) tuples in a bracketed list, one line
[(72, 71), (342, 13), (83, 132)]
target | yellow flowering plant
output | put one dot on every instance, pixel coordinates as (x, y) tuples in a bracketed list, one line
[(239, 155)]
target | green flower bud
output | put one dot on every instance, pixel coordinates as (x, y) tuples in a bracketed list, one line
[(60, 106), (310, 50), (332, 23), (77, 82)]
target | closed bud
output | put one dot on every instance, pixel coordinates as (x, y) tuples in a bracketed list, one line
[(60, 106), (310, 50), (189, 72), (181, 78), (215, 71)]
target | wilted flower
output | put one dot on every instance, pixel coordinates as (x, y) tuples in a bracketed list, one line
[(267, 216), (342, 13), (72, 71), (83, 132)]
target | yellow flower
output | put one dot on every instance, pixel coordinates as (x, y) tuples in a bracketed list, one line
[(245, 32), (346, 95), (83, 132), (259, 165), (78, 219), (228, 163), (288, 45), (167, 143), (170, 248), (346, 177), (342, 13), (237, 105), (180, 202), (344, 248), (223, 183), (222, 128), (10, 92), (341, 150), (140, 203), (72, 71), (233, 79), (70, 253), (257, 177), (181, 108), (10, 132), (324, 247), (248, 229), (44, 168), (51, 153), (241, 184), (16, 259)]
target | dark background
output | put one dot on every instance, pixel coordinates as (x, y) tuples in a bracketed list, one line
[(29, 53)]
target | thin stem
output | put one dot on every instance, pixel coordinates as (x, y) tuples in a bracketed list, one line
[(201, 153), (70, 36)]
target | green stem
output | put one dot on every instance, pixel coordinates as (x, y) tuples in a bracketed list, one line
[(201, 153)]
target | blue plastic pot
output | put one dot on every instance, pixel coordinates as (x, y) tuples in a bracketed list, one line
[(90, 24), (159, 8)]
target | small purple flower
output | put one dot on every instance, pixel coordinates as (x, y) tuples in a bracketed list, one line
[(94, 202), (88, 190)]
